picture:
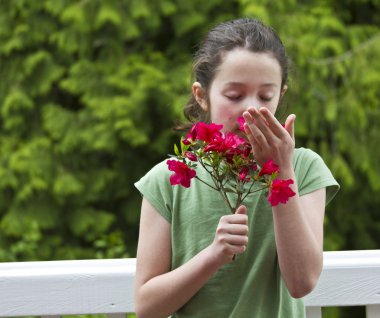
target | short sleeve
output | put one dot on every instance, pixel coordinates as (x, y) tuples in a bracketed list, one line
[(312, 174), (156, 188)]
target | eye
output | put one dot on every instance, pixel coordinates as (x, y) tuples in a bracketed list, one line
[(233, 97), (265, 98)]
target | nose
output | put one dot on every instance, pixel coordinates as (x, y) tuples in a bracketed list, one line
[(251, 101), (252, 104)]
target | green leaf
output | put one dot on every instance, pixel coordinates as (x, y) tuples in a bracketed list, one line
[(176, 151)]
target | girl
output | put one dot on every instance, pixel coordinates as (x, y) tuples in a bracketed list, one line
[(188, 238)]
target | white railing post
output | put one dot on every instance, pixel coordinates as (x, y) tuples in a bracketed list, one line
[(313, 312), (116, 315), (373, 311)]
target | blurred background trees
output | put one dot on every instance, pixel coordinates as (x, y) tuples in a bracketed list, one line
[(90, 89)]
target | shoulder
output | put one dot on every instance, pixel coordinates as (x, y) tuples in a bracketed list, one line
[(305, 159), (303, 155), (155, 175), (161, 167), (156, 188)]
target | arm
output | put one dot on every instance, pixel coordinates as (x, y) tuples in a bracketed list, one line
[(298, 224), (159, 291), (298, 227)]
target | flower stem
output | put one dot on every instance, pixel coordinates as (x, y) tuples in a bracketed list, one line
[(206, 183), (223, 193), (249, 191), (238, 201), (218, 184), (225, 198)]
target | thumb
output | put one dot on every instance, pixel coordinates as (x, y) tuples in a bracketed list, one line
[(241, 210), (289, 125)]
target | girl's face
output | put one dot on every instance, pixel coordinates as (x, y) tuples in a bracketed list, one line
[(244, 79)]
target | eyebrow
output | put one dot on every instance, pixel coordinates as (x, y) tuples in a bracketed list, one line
[(243, 84)]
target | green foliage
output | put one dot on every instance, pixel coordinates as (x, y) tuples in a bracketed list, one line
[(334, 48), (90, 89)]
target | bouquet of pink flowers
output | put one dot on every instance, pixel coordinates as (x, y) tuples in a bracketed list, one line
[(229, 161)]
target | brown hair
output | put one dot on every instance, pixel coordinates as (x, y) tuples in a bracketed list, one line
[(247, 33)]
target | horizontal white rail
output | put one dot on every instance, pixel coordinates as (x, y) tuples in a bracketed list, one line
[(54, 288), (67, 287), (349, 278)]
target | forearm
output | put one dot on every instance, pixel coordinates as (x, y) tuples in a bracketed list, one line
[(298, 224), (164, 294), (299, 248)]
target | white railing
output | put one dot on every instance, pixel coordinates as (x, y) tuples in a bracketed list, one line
[(55, 288), (349, 278)]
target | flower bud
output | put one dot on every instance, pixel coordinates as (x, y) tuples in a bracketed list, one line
[(191, 156)]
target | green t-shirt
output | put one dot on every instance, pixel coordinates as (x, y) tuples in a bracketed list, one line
[(250, 286)]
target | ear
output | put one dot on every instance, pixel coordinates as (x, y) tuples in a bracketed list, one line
[(283, 91), (200, 95)]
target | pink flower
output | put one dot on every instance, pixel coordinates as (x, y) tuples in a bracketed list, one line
[(280, 192), (191, 156), (223, 143), (243, 174), (247, 148), (269, 168), (241, 122), (182, 173), (205, 132)]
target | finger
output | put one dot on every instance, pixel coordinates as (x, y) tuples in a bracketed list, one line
[(289, 124), (254, 134), (237, 219), (237, 249), (263, 125), (251, 138), (236, 240), (234, 250), (233, 219), (258, 136), (237, 229), (273, 123), (241, 210)]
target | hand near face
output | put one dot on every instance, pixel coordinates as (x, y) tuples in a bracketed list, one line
[(269, 139)]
